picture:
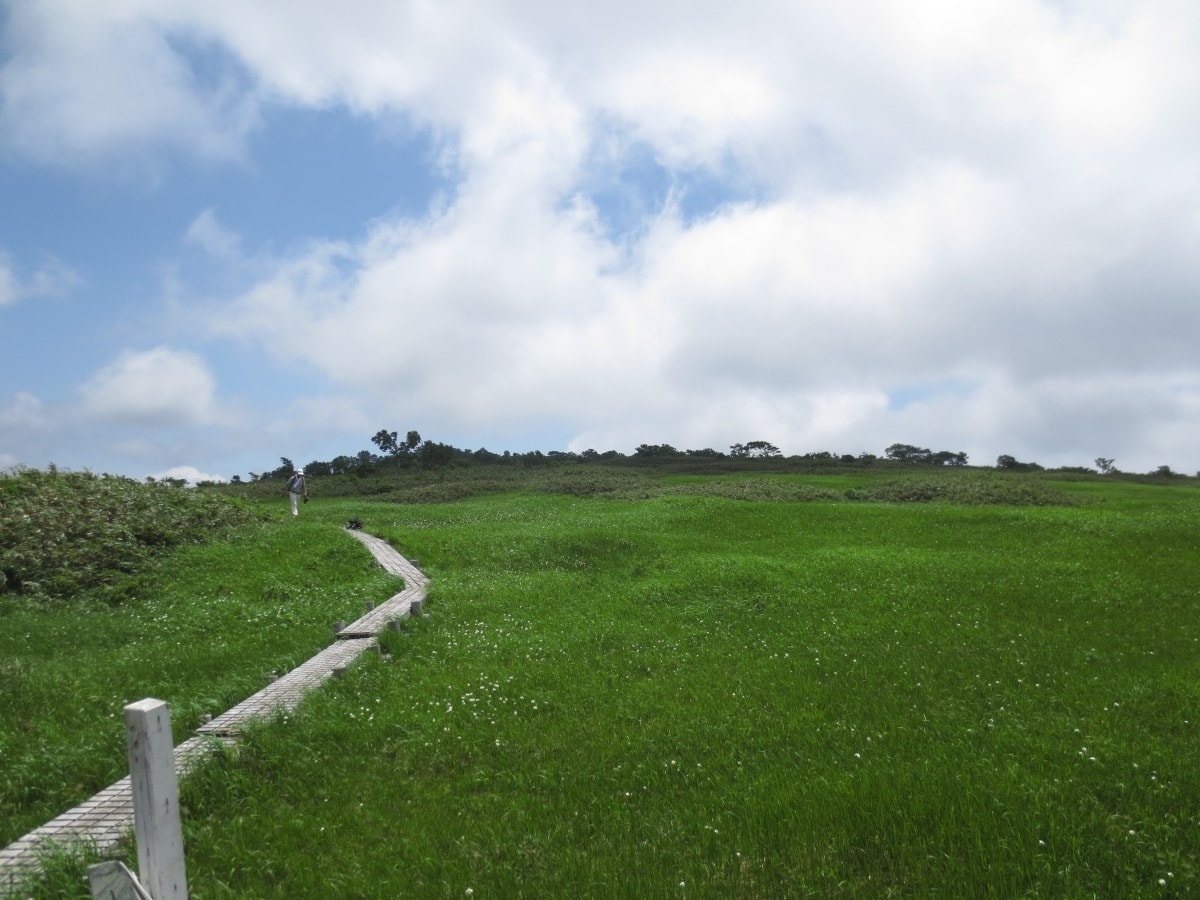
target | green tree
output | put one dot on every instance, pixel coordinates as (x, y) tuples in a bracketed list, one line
[(946, 458), (908, 453), (655, 451), (386, 441), (754, 450), (1012, 464)]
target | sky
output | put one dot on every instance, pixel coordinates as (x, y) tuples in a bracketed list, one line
[(234, 232)]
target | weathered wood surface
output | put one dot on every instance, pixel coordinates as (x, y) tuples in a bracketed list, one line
[(156, 818), (110, 880), (398, 605)]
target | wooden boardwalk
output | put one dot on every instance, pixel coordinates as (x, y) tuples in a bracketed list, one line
[(104, 820)]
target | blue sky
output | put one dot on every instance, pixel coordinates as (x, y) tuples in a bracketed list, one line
[(234, 232)]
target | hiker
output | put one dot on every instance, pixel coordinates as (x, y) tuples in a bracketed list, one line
[(296, 487)]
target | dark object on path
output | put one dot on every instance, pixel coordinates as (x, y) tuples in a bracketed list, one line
[(354, 525)]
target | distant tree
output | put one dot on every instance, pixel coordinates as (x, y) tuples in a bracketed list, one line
[(1012, 464), (946, 458), (434, 455), (284, 470), (589, 454), (754, 450), (655, 451), (707, 453), (364, 462), (389, 442), (908, 453), (532, 458), (1105, 465), (386, 441), (1164, 472), (236, 479), (340, 465)]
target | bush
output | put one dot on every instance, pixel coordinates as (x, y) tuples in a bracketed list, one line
[(63, 533), (971, 491)]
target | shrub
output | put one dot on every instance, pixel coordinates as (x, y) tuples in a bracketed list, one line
[(62, 533)]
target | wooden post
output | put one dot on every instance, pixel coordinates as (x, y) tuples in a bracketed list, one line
[(110, 880), (155, 799), (414, 608), (339, 627)]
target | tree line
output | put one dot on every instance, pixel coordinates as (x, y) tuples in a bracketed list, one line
[(412, 451)]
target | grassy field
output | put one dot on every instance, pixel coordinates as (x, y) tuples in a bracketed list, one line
[(698, 695)]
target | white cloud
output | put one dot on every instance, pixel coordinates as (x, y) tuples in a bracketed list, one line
[(211, 236), (101, 82), (155, 387), (52, 279), (23, 411), (190, 474)]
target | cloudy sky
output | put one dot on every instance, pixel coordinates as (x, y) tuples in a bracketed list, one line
[(232, 231)]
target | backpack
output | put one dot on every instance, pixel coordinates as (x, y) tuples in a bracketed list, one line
[(296, 483)]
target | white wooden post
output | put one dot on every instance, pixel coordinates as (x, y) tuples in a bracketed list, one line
[(155, 799), (110, 880)]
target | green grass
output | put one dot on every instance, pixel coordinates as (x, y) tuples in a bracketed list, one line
[(694, 695)]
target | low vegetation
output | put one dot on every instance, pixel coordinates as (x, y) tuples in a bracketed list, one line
[(64, 535), (672, 684)]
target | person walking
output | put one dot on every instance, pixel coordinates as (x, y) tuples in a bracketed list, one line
[(296, 487)]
